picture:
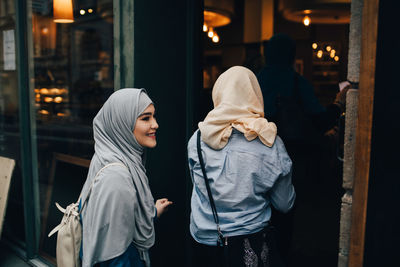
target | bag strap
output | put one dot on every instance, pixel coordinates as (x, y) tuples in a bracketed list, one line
[(71, 209), (210, 197), (94, 180)]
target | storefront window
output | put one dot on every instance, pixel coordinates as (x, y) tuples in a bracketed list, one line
[(72, 74), (10, 134)]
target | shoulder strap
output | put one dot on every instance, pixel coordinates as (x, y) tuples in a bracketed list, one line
[(72, 208), (210, 197), (94, 180)]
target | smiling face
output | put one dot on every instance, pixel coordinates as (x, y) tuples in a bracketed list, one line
[(146, 127)]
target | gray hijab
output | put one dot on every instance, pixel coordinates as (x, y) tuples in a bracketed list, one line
[(120, 209)]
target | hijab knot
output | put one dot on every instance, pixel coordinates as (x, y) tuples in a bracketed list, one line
[(238, 103)]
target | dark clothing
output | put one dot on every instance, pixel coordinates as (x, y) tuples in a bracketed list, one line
[(130, 258), (294, 234), (258, 249), (277, 80)]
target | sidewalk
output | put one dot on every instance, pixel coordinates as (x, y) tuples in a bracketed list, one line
[(9, 259)]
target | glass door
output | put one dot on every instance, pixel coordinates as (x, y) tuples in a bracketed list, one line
[(72, 76)]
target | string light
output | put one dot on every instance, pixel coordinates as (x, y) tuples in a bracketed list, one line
[(205, 28), (314, 45), (329, 52)]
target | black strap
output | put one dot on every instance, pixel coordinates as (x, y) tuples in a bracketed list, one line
[(210, 197)]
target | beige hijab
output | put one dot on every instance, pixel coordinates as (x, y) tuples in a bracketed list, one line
[(238, 103)]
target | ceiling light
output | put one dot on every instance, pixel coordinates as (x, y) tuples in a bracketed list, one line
[(63, 11)]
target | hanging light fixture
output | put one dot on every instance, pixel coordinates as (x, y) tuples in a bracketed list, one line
[(63, 11), (321, 11), (217, 13)]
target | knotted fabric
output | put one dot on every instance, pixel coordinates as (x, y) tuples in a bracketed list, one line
[(238, 103)]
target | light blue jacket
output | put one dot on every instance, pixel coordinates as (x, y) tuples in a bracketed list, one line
[(245, 178)]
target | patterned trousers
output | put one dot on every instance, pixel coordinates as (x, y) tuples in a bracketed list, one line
[(254, 250)]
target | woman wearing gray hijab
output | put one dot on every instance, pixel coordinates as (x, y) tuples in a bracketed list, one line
[(118, 217)]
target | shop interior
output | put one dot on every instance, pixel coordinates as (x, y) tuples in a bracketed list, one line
[(236, 33), (72, 73)]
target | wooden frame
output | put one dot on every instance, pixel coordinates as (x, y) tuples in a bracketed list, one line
[(363, 132), (57, 158), (6, 169)]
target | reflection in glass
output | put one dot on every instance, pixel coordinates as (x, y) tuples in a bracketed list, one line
[(72, 76), (13, 228)]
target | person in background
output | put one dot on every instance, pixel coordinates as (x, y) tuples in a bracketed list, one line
[(278, 78), (248, 171), (290, 102), (118, 217)]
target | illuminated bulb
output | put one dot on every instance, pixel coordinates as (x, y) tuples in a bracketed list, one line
[(215, 39), (319, 54), (37, 95), (82, 12), (45, 31), (210, 32), (90, 10), (44, 112), (314, 45), (306, 21), (336, 58), (48, 99), (328, 48), (205, 28), (332, 55)]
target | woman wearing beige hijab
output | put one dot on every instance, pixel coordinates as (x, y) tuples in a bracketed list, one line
[(247, 170)]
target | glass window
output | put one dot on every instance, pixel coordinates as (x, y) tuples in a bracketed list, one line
[(13, 227), (72, 74)]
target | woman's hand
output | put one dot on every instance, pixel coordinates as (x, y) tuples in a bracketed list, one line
[(162, 206)]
